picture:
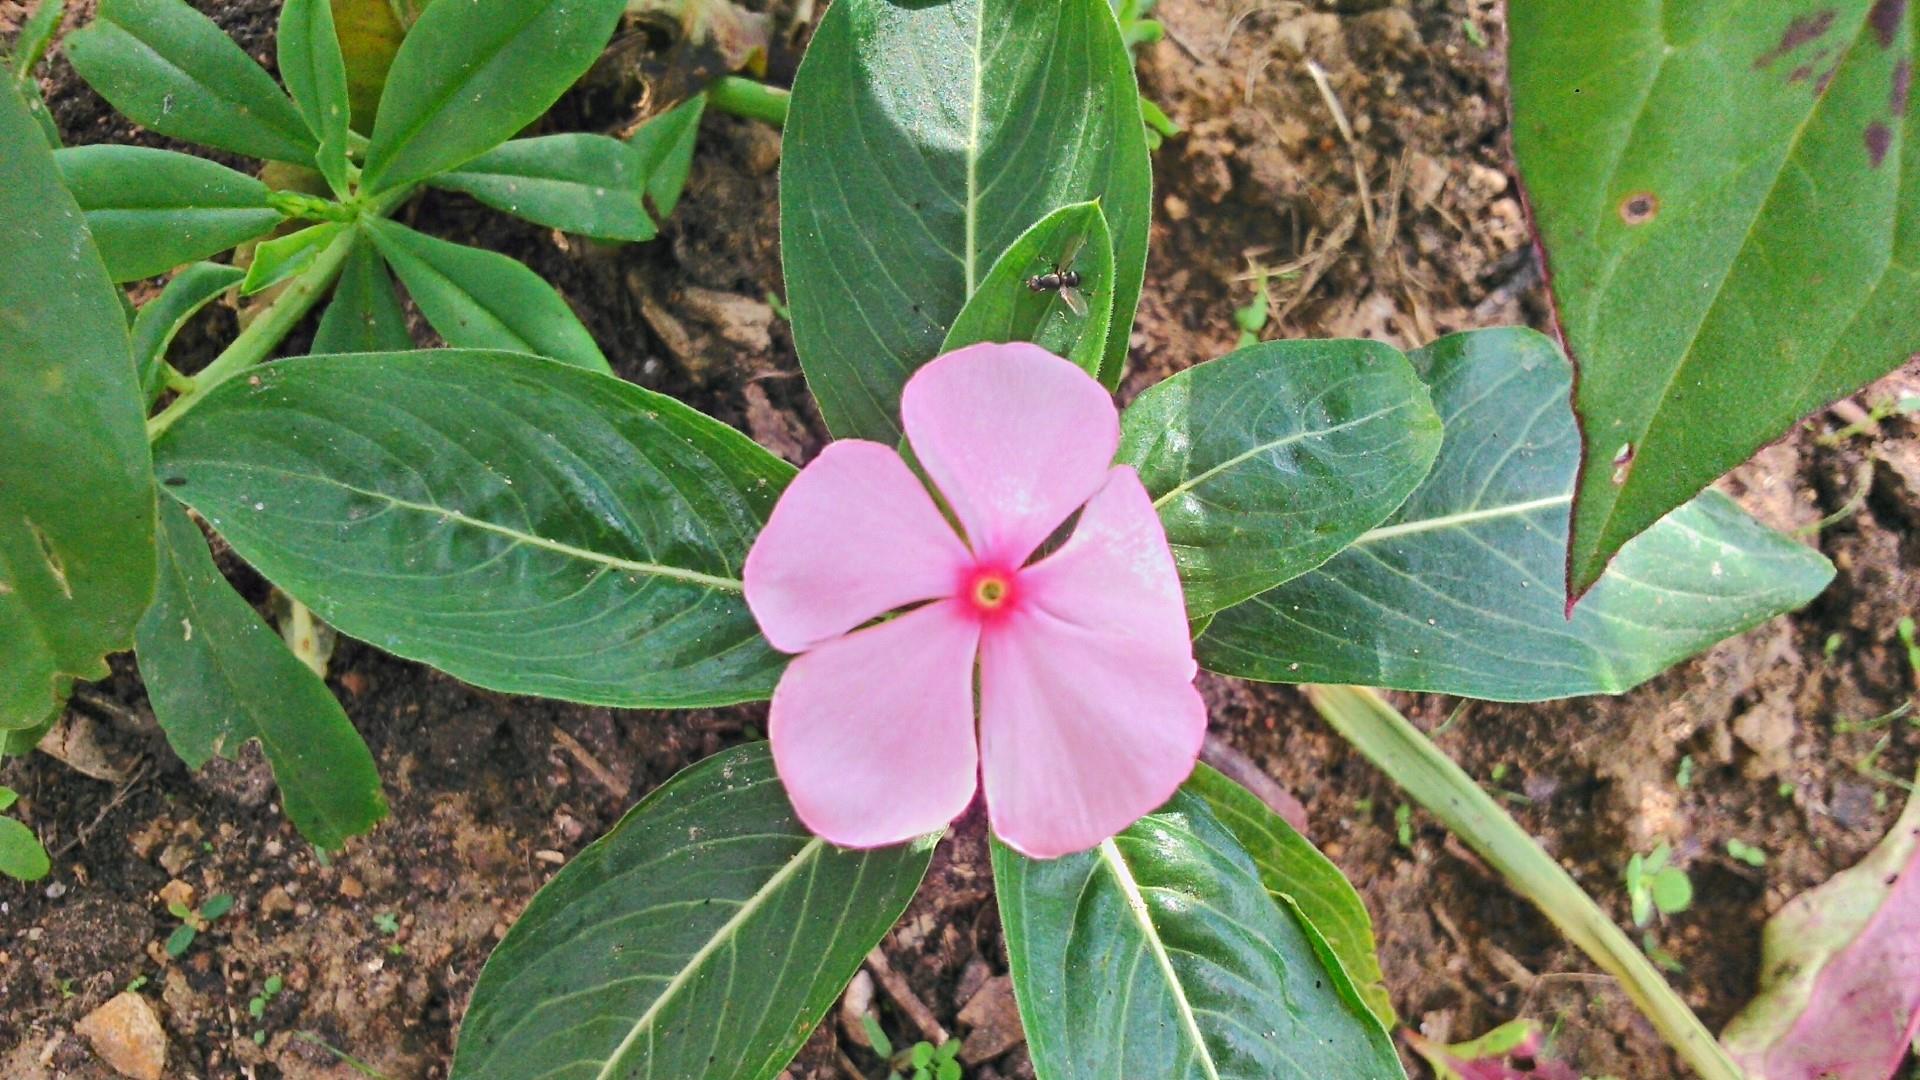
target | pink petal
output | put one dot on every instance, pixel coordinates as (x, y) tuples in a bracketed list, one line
[(873, 732), (853, 537), (1014, 437)]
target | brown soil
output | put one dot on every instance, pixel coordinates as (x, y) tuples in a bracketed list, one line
[(490, 793)]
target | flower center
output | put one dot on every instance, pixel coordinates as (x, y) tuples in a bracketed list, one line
[(991, 591)]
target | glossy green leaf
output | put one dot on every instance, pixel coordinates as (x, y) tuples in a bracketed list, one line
[(483, 300), (921, 141), (1160, 953), (218, 676), (587, 184), (160, 318), (664, 145), (703, 937), (1462, 590), (316, 72), (364, 314), (152, 210), (76, 483), (1004, 308), (169, 68), (470, 75), (1726, 195), (278, 259), (1291, 867), (521, 524), (1266, 462)]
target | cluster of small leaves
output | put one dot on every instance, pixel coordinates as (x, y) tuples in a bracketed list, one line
[(922, 1060), (194, 922), (1655, 885)]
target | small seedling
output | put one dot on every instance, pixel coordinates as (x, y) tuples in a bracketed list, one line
[(257, 1005), (1475, 35), (1252, 318), (389, 924), (1906, 630), (1835, 642), (1787, 789), (1746, 852), (1661, 958), (1403, 824), (134, 984), (1499, 771), (1652, 885), (1684, 775), (193, 923), (921, 1061)]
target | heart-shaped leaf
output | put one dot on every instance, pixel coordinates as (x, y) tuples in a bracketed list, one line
[(921, 141), (483, 300), (76, 483), (153, 210), (471, 75), (217, 676), (1007, 308), (705, 935), (1462, 590), (519, 523), (364, 314), (1726, 194), (160, 318), (169, 68), (587, 184), (1159, 953), (316, 72), (1266, 462)]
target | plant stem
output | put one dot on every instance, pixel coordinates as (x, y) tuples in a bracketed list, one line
[(263, 334), (748, 98), (1411, 760)]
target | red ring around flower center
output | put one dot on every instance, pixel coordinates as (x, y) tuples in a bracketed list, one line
[(989, 590)]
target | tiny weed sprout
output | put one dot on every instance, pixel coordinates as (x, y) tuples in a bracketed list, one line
[(992, 585)]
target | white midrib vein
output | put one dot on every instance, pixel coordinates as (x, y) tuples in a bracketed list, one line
[(1255, 451), (1464, 517), (1110, 852), (713, 944), (973, 147)]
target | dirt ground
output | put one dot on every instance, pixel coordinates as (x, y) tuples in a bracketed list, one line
[(377, 949)]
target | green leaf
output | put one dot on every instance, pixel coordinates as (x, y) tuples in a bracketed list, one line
[(216, 906), (316, 72), (521, 524), (1672, 891), (664, 145), (1726, 196), (1266, 462), (470, 75), (30, 47), (922, 140), (364, 314), (278, 259), (1159, 953), (76, 483), (180, 941), (169, 68), (704, 936), (160, 318), (218, 676), (1462, 590), (1003, 308), (484, 300), (1291, 867), (153, 210), (21, 856), (587, 184), (8, 797), (370, 33)]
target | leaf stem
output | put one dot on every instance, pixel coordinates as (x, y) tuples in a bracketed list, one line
[(1411, 760), (749, 98)]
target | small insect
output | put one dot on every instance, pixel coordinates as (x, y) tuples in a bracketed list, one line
[(1062, 278)]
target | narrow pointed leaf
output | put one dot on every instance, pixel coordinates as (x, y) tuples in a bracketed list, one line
[(664, 145), (520, 524), (364, 314), (316, 72), (592, 185), (1266, 462), (1160, 953), (1003, 308), (482, 299), (704, 936), (76, 482), (470, 75), (152, 210), (1291, 867), (1726, 194), (160, 318), (280, 258), (218, 676), (168, 67), (921, 141), (1462, 590)]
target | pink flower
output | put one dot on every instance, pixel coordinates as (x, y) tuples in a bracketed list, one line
[(1088, 717)]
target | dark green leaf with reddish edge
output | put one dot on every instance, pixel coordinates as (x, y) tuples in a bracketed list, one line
[(169, 68), (76, 481), (1728, 197), (521, 524), (152, 210), (703, 936), (217, 676), (921, 141)]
